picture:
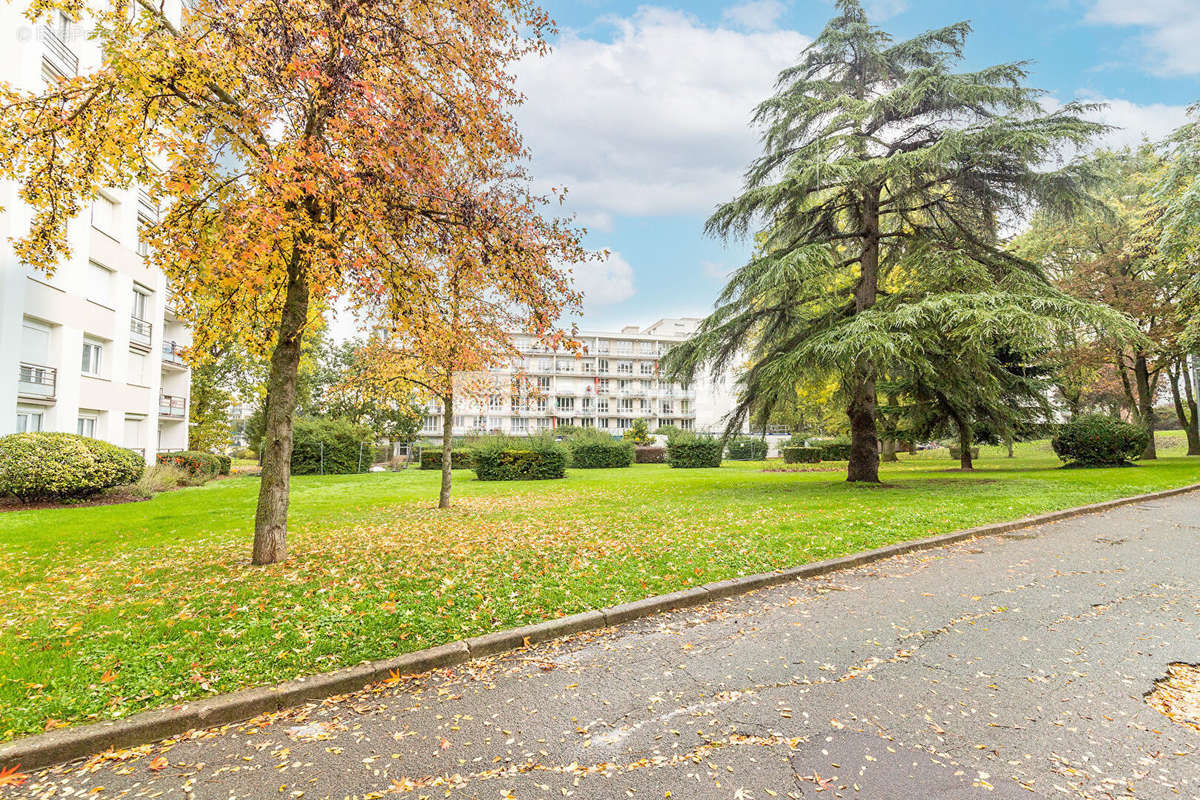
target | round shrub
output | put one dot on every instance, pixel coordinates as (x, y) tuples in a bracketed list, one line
[(956, 453), (650, 455), (63, 466), (1095, 440), (198, 465), (329, 447), (431, 458), (801, 455), (747, 448), (595, 450), (226, 463), (507, 458)]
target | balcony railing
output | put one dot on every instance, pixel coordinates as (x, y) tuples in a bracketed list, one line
[(140, 332), (173, 354), (172, 406), (146, 204), (60, 56), (35, 380)]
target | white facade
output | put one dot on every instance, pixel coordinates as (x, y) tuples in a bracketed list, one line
[(614, 381), (93, 349)]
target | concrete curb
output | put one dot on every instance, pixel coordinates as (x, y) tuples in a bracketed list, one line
[(67, 744)]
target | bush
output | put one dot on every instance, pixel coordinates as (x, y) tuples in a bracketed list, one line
[(226, 463), (956, 452), (747, 448), (595, 450), (197, 465), (639, 433), (1095, 440), (505, 458), (431, 458), (329, 446), (801, 455), (159, 478), (650, 455), (689, 451), (63, 466), (832, 449)]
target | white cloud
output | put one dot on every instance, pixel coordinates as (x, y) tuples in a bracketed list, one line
[(756, 15), (654, 121), (1136, 122), (605, 282), (879, 10), (1172, 30)]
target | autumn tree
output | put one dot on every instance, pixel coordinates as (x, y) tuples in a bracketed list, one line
[(299, 147), (1110, 253), (874, 150)]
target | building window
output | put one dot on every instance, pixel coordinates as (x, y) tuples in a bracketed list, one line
[(602, 405), (137, 369), (141, 303), (625, 386), (602, 386), (545, 365), (602, 346), (604, 423), (585, 404), (543, 385), (622, 424), (565, 403), (566, 365), (647, 348), (143, 246), (520, 425), (668, 407), (496, 403), (99, 284), (648, 367), (602, 366), (625, 347), (625, 404), (539, 404), (93, 353), (624, 367), (86, 425), (587, 422), (430, 424), (686, 424), (104, 215), (29, 420)]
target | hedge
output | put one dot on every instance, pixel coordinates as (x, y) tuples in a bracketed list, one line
[(834, 451), (63, 466), (1094, 440), (194, 463), (431, 458), (329, 446), (520, 465), (597, 453), (801, 455), (650, 455), (747, 448), (693, 453)]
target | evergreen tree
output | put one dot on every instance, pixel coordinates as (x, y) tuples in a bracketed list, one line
[(879, 162)]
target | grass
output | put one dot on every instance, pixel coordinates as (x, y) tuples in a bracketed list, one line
[(115, 609)]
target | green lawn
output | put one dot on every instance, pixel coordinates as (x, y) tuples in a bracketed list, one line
[(110, 610)]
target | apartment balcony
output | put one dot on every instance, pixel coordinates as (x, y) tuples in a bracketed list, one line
[(172, 406), (172, 356), (146, 204), (36, 382), (140, 333), (58, 54)]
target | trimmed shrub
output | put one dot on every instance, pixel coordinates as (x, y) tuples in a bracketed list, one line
[(747, 448), (689, 451), (504, 458), (329, 446), (63, 466), (832, 449), (431, 458), (1095, 440), (801, 455), (595, 450), (650, 455), (956, 453), (226, 463), (203, 466)]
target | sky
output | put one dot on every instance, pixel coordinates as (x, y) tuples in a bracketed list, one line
[(642, 112)]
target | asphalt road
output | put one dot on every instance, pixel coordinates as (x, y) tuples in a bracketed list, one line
[(1007, 667)]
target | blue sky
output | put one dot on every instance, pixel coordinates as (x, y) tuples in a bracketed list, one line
[(642, 111)]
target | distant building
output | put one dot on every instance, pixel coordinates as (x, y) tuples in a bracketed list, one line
[(615, 381), (95, 349)]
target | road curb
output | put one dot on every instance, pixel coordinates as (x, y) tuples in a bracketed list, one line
[(67, 744)]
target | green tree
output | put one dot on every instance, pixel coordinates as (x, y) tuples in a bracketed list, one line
[(638, 433), (878, 155), (209, 426)]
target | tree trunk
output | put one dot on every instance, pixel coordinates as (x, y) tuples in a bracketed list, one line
[(964, 442), (864, 436), (1145, 403), (1008, 440), (889, 450), (447, 455), (270, 520), (1186, 408)]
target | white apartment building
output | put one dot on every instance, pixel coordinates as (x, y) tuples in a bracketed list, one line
[(614, 381), (95, 348)]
